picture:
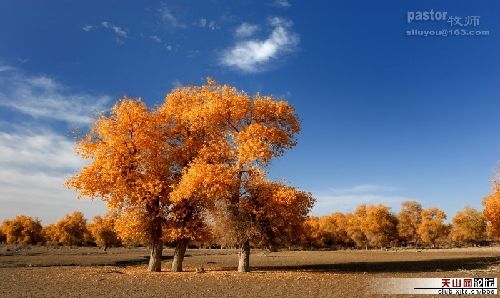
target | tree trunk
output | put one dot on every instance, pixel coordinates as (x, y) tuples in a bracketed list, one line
[(155, 257), (156, 247), (244, 257), (180, 250)]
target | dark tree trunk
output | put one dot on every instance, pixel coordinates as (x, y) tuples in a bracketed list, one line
[(155, 257), (156, 241), (180, 250), (244, 257)]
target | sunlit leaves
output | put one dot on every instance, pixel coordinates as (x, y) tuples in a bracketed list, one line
[(22, 230), (432, 226), (70, 230), (103, 231), (492, 210), (469, 226), (409, 219)]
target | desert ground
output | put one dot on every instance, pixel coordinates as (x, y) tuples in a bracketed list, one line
[(121, 272)]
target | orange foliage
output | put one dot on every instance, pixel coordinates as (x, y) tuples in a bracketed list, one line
[(492, 210), (432, 226), (70, 230), (372, 225), (333, 230), (22, 230), (231, 137), (310, 233), (379, 225), (409, 218), (469, 226), (103, 231), (355, 229), (131, 225), (130, 167)]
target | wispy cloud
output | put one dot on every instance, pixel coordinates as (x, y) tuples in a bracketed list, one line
[(88, 28), (246, 30), (22, 60), (255, 55), (282, 3), (364, 188), (169, 18), (205, 23), (43, 97), (156, 38), (119, 33), (347, 199), (36, 159), (4, 68), (33, 167)]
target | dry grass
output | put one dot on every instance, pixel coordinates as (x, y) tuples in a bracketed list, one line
[(41, 271)]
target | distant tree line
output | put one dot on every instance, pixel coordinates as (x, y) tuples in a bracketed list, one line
[(369, 226), (375, 226)]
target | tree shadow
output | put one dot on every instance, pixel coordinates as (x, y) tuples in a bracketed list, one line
[(140, 261), (432, 265)]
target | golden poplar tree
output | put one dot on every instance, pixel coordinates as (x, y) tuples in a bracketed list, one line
[(432, 226), (241, 134), (22, 229), (409, 218), (492, 209), (355, 229), (71, 230), (130, 167), (103, 231), (379, 225), (468, 226)]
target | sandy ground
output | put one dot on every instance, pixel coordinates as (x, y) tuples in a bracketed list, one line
[(90, 272)]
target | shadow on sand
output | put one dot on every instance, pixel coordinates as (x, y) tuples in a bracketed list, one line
[(141, 261), (388, 266)]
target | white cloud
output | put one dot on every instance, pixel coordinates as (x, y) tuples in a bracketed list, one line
[(213, 26), (119, 33), (203, 22), (347, 199), (23, 60), (36, 160), (255, 55), (281, 3), (155, 38), (364, 188), (88, 28), (34, 164), (41, 149), (246, 30), (169, 18), (42, 97), (5, 68)]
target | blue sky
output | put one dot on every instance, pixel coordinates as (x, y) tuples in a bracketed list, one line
[(386, 117)]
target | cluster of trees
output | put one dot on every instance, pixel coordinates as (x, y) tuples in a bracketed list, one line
[(71, 230), (369, 226), (376, 226), (197, 161)]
